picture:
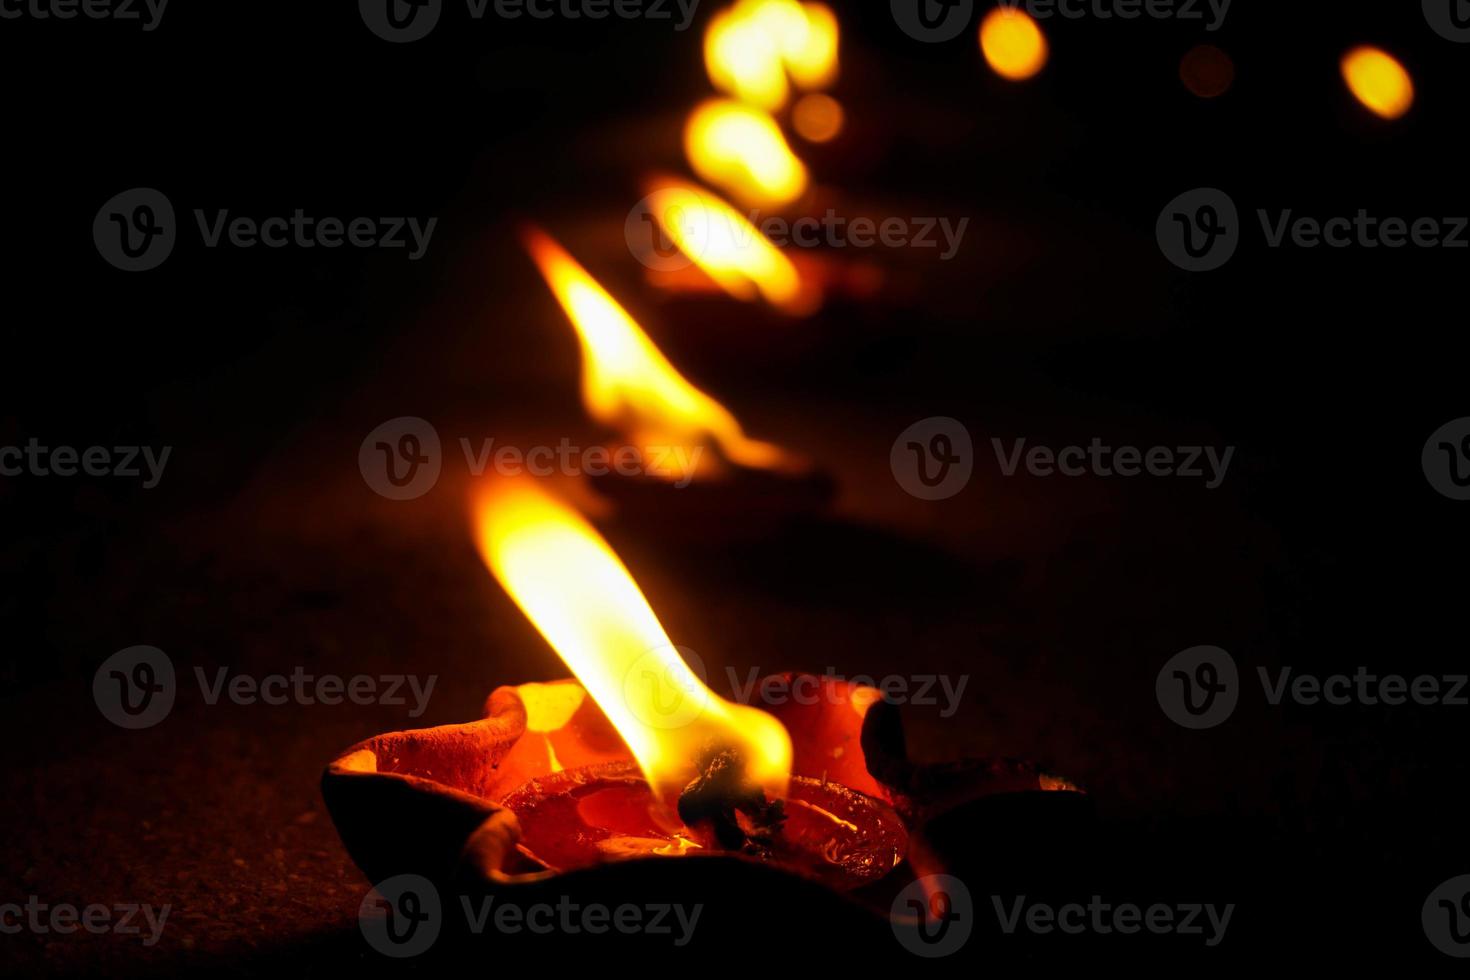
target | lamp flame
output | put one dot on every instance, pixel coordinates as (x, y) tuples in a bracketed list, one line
[(751, 48), (740, 148), (571, 585), (730, 250), (629, 385)]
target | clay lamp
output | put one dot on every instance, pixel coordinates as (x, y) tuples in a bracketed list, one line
[(635, 776)]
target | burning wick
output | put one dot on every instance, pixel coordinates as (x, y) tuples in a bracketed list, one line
[(721, 794)]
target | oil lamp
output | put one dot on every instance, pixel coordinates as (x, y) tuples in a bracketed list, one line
[(634, 771)]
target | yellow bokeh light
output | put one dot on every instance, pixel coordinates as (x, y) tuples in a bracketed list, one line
[(752, 47), (741, 149), (1013, 45), (1379, 81)]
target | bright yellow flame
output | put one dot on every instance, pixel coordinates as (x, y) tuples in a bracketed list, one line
[(809, 46), (628, 384), (1378, 81), (741, 149), (576, 591), (1013, 45), (751, 47), (731, 250)]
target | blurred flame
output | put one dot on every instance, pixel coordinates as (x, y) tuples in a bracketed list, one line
[(731, 250), (751, 47), (628, 384), (818, 118), (741, 149), (1378, 81), (578, 594), (1013, 44)]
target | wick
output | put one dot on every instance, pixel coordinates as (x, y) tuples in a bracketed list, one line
[(721, 794)]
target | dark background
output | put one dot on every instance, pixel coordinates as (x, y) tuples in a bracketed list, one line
[(262, 549)]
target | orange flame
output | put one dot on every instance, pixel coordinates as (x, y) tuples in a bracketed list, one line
[(572, 586), (628, 384), (730, 250)]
